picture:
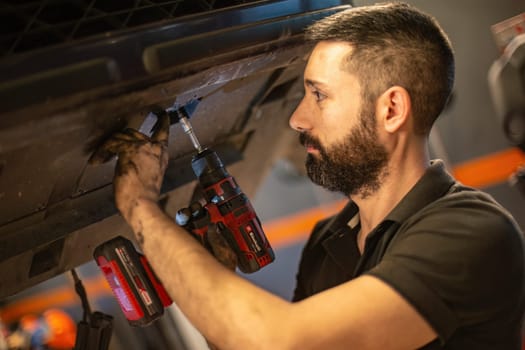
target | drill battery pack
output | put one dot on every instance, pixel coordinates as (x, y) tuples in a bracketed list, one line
[(139, 293)]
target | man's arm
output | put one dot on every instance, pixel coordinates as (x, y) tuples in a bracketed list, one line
[(230, 311)]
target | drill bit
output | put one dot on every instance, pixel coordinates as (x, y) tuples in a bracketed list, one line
[(188, 129), (182, 115)]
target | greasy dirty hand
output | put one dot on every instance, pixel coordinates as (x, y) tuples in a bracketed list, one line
[(141, 164), (220, 247), (196, 220)]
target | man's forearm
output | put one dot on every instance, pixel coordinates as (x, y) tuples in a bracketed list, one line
[(190, 274)]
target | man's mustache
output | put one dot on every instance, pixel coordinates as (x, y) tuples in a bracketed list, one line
[(309, 140)]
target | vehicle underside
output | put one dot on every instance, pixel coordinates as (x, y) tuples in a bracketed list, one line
[(73, 73)]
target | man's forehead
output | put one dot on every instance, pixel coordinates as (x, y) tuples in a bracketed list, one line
[(331, 50), (329, 54), (327, 59)]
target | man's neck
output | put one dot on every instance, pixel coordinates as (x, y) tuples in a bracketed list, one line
[(374, 207)]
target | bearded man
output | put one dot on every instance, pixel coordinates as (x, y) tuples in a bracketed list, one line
[(415, 260)]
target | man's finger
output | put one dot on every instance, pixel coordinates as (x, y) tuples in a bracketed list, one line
[(183, 216), (108, 150), (100, 156), (118, 142), (162, 129), (221, 249), (132, 135)]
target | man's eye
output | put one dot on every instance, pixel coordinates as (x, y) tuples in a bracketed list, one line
[(318, 96)]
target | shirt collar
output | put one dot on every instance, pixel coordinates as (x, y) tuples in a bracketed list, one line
[(340, 242), (434, 183)]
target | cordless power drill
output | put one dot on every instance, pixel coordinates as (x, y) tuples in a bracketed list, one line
[(225, 205), (139, 293)]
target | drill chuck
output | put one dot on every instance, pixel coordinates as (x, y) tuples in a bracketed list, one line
[(208, 168)]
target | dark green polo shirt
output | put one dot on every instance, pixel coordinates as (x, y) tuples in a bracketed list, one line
[(454, 253)]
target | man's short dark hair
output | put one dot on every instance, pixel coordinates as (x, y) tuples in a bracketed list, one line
[(395, 44)]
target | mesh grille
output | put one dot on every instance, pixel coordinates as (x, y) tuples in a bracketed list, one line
[(26, 25)]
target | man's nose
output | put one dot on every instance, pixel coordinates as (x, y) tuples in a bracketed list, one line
[(299, 119)]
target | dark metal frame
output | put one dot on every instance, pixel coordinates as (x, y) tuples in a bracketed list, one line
[(58, 104)]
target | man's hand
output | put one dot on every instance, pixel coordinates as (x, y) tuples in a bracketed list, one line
[(221, 249), (196, 220), (142, 161)]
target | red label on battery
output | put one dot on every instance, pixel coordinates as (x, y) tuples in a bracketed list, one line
[(120, 288)]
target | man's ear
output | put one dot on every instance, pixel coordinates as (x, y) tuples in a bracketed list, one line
[(394, 108)]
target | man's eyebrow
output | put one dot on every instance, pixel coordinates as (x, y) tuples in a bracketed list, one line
[(313, 83)]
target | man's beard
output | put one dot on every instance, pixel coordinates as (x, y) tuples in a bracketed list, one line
[(354, 166)]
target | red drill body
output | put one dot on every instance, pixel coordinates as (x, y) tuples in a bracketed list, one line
[(230, 209)]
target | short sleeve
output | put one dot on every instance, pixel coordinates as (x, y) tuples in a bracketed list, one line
[(459, 262)]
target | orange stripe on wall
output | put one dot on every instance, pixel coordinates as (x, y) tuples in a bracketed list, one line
[(490, 169), (37, 304), (298, 226), (62, 296)]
